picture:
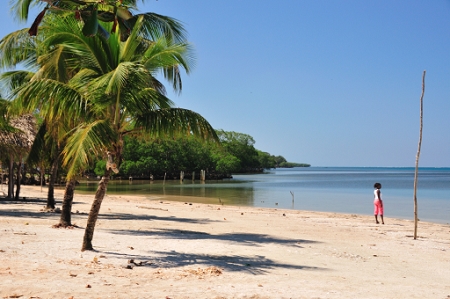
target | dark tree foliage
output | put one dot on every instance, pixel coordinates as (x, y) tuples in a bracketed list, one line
[(266, 160), (241, 146), (168, 157)]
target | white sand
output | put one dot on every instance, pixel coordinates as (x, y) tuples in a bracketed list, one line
[(212, 251)]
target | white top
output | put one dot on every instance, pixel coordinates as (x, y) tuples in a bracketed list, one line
[(375, 194)]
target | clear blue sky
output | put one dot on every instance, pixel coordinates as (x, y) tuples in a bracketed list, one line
[(329, 83)]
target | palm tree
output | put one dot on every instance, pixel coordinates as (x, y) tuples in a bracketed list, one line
[(127, 99), (115, 93), (19, 48), (47, 149)]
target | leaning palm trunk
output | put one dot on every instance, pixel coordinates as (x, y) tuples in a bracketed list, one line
[(416, 218), (66, 211), (95, 209)]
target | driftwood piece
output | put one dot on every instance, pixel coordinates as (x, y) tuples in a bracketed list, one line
[(150, 208)]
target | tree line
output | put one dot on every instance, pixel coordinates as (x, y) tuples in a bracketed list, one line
[(166, 158)]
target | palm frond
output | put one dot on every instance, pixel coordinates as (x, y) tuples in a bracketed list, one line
[(128, 49), (9, 81), (84, 51), (22, 8), (157, 26), (4, 117), (17, 47), (169, 59), (160, 54), (54, 65), (139, 102), (38, 146), (46, 95), (172, 121), (117, 79), (85, 141)]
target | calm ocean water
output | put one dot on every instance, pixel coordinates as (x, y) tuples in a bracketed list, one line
[(328, 189)]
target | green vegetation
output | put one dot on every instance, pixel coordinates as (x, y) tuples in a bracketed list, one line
[(290, 165), (168, 157)]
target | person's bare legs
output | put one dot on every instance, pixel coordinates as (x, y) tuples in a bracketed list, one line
[(376, 219), (382, 220)]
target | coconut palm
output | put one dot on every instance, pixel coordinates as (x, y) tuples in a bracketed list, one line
[(18, 48), (114, 93), (126, 98)]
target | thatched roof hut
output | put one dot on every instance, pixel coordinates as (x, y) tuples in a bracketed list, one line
[(22, 138), (14, 143)]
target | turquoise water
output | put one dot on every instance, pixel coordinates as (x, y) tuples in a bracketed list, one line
[(328, 189)]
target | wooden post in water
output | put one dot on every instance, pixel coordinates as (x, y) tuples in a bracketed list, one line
[(292, 193), (202, 175), (181, 176)]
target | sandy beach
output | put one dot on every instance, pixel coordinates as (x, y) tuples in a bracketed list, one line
[(164, 249)]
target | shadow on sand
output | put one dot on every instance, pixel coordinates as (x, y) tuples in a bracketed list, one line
[(14, 210), (256, 265), (133, 217), (248, 239)]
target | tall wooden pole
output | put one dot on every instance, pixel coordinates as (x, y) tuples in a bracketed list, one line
[(416, 219)]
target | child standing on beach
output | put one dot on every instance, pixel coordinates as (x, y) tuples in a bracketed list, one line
[(378, 203)]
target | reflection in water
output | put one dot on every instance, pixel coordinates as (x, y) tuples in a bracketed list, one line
[(329, 189), (229, 192)]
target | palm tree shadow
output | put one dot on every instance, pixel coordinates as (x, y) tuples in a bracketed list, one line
[(248, 239), (133, 217), (11, 208), (257, 265)]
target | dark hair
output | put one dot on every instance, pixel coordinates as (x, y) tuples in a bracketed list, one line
[(377, 185)]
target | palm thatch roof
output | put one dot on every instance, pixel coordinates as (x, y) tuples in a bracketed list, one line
[(22, 137)]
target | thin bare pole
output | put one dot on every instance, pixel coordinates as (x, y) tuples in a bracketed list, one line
[(416, 219), (292, 193)]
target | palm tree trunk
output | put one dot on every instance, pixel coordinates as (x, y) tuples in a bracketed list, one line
[(11, 178), (95, 209), (51, 186), (42, 175), (19, 172), (66, 210)]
